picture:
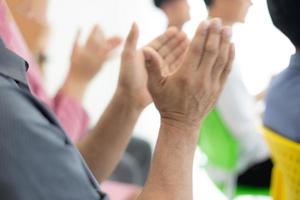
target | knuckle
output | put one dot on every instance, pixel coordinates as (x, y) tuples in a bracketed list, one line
[(212, 50), (227, 71), (127, 54), (196, 49), (184, 81), (221, 61)]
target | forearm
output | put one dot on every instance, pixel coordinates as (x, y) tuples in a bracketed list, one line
[(74, 88), (171, 171), (103, 148)]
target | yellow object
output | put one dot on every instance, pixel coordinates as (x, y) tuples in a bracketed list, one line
[(286, 172)]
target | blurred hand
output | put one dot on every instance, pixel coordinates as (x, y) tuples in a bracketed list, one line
[(87, 60), (186, 96), (133, 76)]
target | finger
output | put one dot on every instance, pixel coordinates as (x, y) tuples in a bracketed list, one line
[(224, 53), (113, 43), (174, 67), (228, 67), (158, 42), (131, 42), (195, 50), (95, 39), (171, 45), (153, 66), (211, 49), (177, 52)]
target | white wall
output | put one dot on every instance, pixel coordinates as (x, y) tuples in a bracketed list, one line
[(261, 48)]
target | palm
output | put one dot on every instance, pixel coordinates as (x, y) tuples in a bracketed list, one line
[(87, 60), (133, 75), (134, 78)]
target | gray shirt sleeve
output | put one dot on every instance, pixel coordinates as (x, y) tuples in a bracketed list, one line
[(36, 160)]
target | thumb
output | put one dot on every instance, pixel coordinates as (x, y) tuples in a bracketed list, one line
[(131, 41), (153, 63), (113, 42)]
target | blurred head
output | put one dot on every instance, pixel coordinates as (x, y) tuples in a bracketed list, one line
[(231, 11), (177, 11), (286, 17), (31, 18)]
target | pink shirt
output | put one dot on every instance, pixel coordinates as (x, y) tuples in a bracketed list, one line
[(71, 114)]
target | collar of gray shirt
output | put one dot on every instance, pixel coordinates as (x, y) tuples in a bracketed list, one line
[(295, 60), (11, 65)]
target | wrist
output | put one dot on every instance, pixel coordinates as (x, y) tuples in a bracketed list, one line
[(180, 121), (74, 88), (123, 96), (182, 129)]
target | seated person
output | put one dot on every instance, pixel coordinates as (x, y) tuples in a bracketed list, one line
[(38, 161), (177, 11), (282, 103), (237, 107), (86, 60), (31, 17)]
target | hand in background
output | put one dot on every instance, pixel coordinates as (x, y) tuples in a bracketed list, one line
[(87, 60), (133, 76), (186, 96)]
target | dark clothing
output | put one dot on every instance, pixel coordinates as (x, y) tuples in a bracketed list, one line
[(257, 176), (135, 163), (282, 113), (38, 160)]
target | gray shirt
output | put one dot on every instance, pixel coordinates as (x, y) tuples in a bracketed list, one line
[(282, 113), (37, 160)]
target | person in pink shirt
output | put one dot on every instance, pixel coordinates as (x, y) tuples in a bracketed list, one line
[(86, 61), (67, 103)]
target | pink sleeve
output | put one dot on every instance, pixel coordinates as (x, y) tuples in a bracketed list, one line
[(120, 191), (71, 114)]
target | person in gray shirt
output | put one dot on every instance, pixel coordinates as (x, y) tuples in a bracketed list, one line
[(38, 160), (282, 112)]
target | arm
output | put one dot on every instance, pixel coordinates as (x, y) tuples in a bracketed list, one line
[(86, 61), (103, 148), (183, 99), (172, 164)]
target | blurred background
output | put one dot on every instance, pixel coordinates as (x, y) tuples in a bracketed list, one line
[(258, 59), (259, 63)]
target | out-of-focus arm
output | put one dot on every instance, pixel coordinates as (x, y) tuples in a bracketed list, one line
[(238, 110)]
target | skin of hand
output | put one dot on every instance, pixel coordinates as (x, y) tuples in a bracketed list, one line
[(183, 98), (87, 60), (188, 94), (103, 148), (133, 76)]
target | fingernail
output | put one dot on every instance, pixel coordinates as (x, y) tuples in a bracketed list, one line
[(147, 56), (205, 25), (216, 23), (227, 32)]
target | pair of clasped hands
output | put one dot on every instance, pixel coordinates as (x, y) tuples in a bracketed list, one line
[(182, 78)]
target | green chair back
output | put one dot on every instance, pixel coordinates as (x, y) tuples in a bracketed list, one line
[(222, 151), (216, 141)]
